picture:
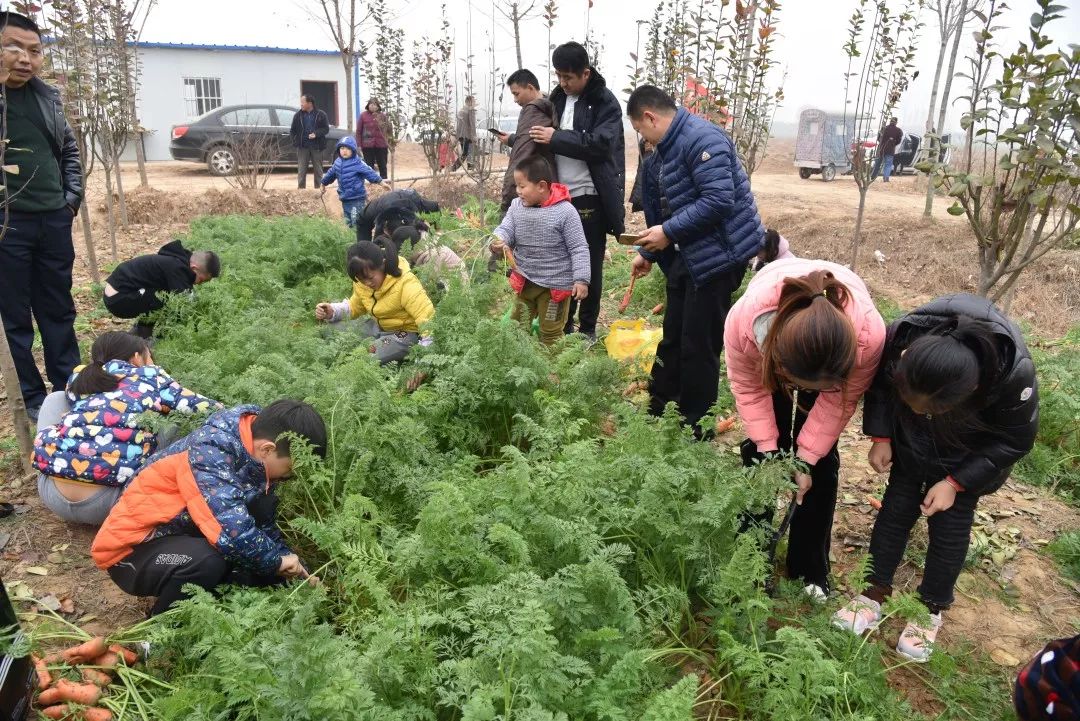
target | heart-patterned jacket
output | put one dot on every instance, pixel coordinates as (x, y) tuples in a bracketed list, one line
[(100, 441)]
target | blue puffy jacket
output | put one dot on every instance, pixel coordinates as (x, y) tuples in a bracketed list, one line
[(350, 173), (711, 214)]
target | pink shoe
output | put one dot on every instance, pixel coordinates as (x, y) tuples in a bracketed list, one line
[(917, 641), (859, 615)]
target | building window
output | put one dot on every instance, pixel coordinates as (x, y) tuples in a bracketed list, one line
[(201, 95)]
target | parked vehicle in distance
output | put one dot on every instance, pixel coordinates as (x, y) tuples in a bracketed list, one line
[(821, 145), (235, 135)]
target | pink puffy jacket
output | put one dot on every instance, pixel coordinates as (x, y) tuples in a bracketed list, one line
[(830, 413)]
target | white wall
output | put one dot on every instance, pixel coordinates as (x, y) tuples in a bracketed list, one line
[(246, 78)]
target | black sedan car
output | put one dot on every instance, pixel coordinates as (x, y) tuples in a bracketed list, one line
[(237, 135)]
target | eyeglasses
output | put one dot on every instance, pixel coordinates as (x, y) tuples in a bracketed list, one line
[(32, 53)]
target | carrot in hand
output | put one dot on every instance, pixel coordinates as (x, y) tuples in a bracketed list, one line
[(59, 711), (85, 652), (96, 713), (658, 309), (129, 656), (98, 678), (109, 659), (626, 298), (44, 678), (86, 694), (723, 425), (48, 697)]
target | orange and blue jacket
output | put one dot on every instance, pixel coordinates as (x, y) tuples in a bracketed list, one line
[(201, 485)]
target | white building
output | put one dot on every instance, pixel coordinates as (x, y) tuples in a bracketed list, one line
[(179, 82)]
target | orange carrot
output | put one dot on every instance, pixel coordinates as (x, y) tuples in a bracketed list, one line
[(626, 298), (95, 713), (874, 503), (86, 694), (509, 255), (58, 711), (44, 678), (85, 652), (723, 425), (54, 658), (98, 678), (48, 697), (658, 309), (129, 656), (109, 659)]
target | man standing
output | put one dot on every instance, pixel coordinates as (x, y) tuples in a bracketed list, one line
[(466, 131), (590, 161), (703, 230), (536, 112), (888, 140), (36, 254), (310, 127)]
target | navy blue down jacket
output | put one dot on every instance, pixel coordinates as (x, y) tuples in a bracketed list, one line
[(711, 213)]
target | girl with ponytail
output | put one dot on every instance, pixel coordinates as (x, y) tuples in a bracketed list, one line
[(954, 405), (802, 346), (385, 289), (89, 442)]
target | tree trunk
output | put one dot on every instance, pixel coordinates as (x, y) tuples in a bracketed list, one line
[(109, 211), (140, 158), (393, 165), (88, 237), (856, 241), (517, 33), (943, 108), (120, 192), (348, 61), (930, 137), (19, 418)]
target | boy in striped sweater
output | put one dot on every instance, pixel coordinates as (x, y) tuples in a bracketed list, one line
[(549, 253)]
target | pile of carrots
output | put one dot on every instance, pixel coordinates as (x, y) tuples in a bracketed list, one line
[(95, 661)]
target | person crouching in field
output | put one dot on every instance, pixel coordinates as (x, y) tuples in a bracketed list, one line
[(139, 286), (89, 442), (204, 511), (385, 289), (350, 172), (953, 406), (551, 257)]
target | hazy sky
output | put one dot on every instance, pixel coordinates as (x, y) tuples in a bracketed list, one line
[(810, 36)]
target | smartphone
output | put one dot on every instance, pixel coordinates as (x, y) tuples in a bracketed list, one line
[(630, 238), (495, 131)]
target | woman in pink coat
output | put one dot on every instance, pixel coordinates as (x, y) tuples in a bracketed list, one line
[(804, 338)]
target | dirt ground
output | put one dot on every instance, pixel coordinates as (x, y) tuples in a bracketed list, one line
[(1007, 609)]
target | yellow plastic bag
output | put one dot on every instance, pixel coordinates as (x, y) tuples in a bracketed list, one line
[(632, 340)]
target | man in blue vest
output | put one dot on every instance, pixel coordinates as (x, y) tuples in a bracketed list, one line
[(703, 229)]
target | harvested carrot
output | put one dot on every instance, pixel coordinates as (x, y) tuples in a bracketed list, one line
[(658, 309), (129, 656), (509, 255), (95, 713), (86, 694), (626, 298), (723, 425), (109, 659), (85, 652), (98, 678), (59, 711), (48, 697), (44, 678), (874, 503), (54, 658)]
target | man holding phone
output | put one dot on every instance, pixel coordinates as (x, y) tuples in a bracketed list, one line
[(536, 111)]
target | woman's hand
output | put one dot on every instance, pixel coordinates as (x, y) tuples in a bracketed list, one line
[(804, 482), (324, 312), (881, 456)]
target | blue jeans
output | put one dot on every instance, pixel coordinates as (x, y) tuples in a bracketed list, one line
[(887, 162), (352, 210)]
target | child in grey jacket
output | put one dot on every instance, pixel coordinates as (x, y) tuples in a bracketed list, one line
[(543, 233)]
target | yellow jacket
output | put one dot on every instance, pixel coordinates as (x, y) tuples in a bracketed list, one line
[(401, 304)]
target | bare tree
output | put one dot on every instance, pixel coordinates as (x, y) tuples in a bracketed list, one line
[(343, 20), (517, 13), (385, 69), (551, 14), (951, 17), (432, 93), (253, 153)]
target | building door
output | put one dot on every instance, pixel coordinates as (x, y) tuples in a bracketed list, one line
[(325, 96)]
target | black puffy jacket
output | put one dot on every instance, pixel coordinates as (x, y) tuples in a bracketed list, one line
[(597, 138), (980, 456), (409, 201), (64, 146)]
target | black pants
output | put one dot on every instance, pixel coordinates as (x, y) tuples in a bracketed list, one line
[(132, 305), (163, 566), (376, 157), (687, 367), (950, 534), (811, 526), (594, 222), (36, 258)]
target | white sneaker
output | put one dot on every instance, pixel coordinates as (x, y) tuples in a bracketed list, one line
[(816, 593), (917, 641), (859, 615)]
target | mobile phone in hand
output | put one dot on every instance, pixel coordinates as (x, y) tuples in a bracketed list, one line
[(495, 131), (630, 238)]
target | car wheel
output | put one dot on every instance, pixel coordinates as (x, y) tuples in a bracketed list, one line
[(221, 161), (828, 173), (804, 173)]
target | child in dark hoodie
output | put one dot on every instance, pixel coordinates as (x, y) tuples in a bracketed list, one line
[(351, 172), (549, 254)]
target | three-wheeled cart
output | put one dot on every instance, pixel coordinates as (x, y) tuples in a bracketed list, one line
[(821, 146)]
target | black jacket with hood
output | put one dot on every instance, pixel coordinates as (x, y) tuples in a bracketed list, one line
[(980, 455), (596, 138), (405, 202), (168, 271)]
